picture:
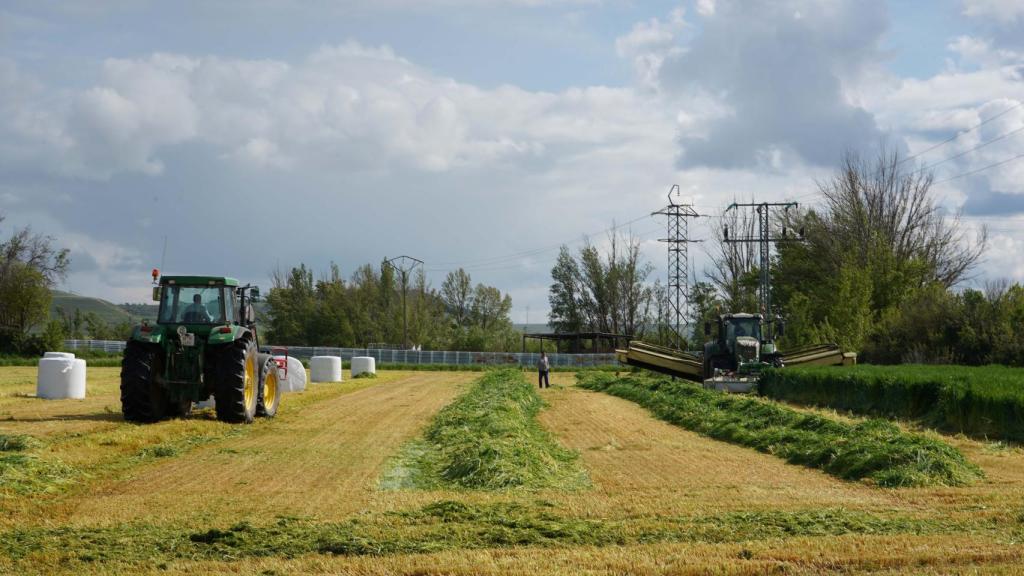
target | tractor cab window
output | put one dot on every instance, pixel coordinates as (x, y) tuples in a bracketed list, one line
[(737, 327), (192, 305)]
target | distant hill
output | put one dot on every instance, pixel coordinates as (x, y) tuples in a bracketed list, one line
[(115, 313), (147, 311), (110, 313)]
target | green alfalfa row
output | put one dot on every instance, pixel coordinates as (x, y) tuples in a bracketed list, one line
[(488, 438), (875, 451), (986, 401)]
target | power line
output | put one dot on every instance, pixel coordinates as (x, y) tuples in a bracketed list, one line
[(469, 264), (959, 134), (498, 266), (966, 152), (982, 169)]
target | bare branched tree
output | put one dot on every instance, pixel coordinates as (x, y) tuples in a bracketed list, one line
[(884, 202), (733, 265)]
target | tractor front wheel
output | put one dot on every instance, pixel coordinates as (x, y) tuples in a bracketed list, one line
[(237, 382), (142, 399), (270, 391)]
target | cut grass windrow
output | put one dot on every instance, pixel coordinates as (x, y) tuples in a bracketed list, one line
[(22, 474), (874, 450), (488, 439), (977, 400), (444, 525)]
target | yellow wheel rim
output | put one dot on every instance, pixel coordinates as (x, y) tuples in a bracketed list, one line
[(249, 390), (270, 388)]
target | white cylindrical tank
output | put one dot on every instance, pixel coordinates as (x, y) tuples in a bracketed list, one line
[(325, 369), (58, 355), (362, 364), (61, 378), (296, 378)]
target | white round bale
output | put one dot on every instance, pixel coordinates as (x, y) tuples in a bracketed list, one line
[(325, 369), (362, 364), (61, 378), (296, 377), (58, 355)]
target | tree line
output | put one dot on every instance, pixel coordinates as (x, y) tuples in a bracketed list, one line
[(367, 309)]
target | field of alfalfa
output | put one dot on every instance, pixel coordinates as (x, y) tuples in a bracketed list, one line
[(888, 471)]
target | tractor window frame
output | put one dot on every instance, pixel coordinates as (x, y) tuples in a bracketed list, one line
[(172, 312)]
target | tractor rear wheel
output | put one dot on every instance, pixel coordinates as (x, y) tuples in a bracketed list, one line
[(237, 382), (270, 391), (142, 399)]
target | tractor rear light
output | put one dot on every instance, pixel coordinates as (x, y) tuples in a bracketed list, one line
[(224, 330), (146, 328)]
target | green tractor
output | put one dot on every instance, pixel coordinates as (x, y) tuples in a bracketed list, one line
[(204, 344), (734, 360)]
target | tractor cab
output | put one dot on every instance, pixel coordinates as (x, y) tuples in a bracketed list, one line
[(733, 326), (213, 302), (741, 345)]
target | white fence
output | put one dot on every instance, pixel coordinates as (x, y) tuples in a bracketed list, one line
[(385, 356)]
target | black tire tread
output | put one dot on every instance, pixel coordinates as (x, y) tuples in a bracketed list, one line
[(229, 391), (262, 410), (139, 401)]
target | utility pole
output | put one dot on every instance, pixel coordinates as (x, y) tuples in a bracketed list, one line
[(764, 241), (404, 265), (678, 240)]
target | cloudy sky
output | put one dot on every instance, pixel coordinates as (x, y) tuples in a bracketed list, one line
[(478, 133)]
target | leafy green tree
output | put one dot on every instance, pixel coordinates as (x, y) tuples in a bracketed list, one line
[(24, 303), (30, 265), (565, 295), (603, 291)]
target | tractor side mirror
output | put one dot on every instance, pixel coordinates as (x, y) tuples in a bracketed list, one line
[(255, 292), (156, 293), (249, 314), (707, 329)]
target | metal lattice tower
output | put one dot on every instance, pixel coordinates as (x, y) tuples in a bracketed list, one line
[(678, 239), (764, 240), (404, 265)]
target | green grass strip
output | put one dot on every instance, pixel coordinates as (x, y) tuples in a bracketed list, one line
[(488, 439), (443, 525), (876, 451), (983, 401)]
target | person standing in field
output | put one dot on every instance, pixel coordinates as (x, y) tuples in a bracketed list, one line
[(543, 366)]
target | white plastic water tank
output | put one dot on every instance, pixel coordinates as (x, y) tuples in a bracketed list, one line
[(61, 378), (362, 364), (296, 379), (58, 355), (325, 369)]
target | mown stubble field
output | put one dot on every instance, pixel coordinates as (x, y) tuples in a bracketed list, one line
[(321, 459)]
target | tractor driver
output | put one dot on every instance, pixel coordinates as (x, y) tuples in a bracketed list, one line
[(196, 313)]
